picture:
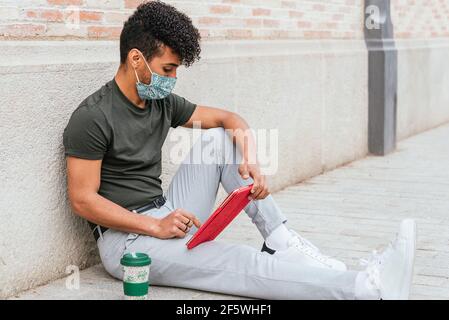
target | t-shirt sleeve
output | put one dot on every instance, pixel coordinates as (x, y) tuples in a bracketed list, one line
[(86, 135), (182, 110)]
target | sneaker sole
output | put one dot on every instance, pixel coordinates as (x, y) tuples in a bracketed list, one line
[(409, 232)]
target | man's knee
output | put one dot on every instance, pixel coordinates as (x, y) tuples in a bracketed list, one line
[(217, 143), (216, 137)]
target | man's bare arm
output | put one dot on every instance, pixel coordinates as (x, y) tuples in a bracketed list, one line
[(83, 182)]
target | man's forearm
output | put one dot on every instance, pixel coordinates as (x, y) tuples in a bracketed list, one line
[(104, 212), (243, 137)]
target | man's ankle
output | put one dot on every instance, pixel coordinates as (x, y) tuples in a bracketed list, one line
[(278, 238)]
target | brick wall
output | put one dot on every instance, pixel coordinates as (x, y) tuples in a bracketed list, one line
[(216, 19), (221, 19), (420, 18)]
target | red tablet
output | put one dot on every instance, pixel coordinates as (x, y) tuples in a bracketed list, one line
[(235, 202)]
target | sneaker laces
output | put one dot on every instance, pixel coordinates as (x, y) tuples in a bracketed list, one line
[(303, 241), (307, 247)]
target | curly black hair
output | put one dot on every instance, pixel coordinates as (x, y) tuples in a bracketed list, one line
[(156, 23)]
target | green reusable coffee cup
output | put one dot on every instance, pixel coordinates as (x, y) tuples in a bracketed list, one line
[(136, 268)]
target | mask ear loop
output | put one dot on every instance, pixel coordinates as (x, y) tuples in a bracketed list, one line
[(138, 80), (145, 60), (135, 72), (147, 64)]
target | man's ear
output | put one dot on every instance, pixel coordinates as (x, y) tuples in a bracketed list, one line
[(134, 58)]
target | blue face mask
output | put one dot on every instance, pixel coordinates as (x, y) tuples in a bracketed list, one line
[(159, 88)]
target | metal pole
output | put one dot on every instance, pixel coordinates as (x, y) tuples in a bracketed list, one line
[(382, 79)]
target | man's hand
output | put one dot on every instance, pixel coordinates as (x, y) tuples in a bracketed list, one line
[(260, 188), (176, 225)]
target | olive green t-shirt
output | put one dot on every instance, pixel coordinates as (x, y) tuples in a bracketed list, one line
[(128, 139)]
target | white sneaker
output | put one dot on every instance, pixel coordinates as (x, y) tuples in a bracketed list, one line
[(303, 251), (391, 272)]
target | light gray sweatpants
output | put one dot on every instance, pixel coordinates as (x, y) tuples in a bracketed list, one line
[(216, 266)]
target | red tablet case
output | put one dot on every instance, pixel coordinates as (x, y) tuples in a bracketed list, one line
[(235, 202)]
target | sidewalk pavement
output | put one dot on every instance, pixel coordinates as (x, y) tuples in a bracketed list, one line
[(347, 212)]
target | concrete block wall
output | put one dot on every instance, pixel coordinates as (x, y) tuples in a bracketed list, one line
[(421, 29), (422, 40), (423, 82)]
